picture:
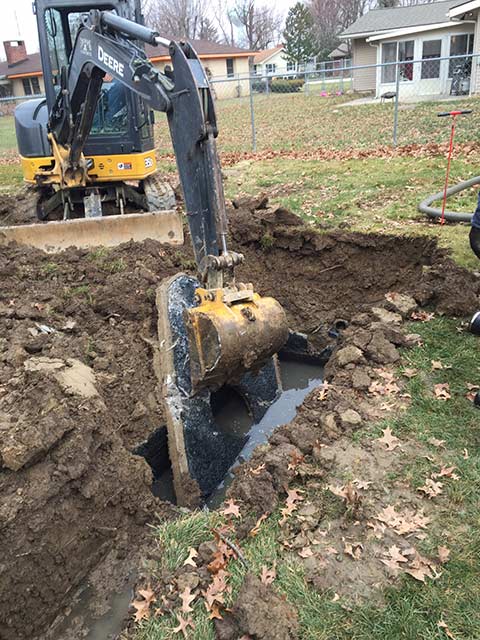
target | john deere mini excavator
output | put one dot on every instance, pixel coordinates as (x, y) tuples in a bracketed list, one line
[(91, 141)]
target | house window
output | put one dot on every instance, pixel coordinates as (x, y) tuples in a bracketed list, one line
[(230, 69), (31, 86), (460, 45), (256, 69), (291, 66), (401, 52), (270, 68), (35, 86), (27, 89), (432, 50)]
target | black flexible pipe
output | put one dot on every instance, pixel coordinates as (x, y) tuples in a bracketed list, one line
[(451, 216)]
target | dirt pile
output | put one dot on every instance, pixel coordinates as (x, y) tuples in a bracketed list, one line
[(78, 391), (77, 395)]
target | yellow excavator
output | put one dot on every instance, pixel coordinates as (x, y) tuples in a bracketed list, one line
[(88, 148)]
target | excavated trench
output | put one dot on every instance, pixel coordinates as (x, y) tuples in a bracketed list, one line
[(75, 498)]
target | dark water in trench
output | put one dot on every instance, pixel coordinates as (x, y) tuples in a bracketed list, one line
[(232, 416)]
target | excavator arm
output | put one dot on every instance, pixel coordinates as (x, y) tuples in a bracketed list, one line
[(104, 46), (231, 329)]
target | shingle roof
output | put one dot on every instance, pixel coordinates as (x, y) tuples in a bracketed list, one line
[(261, 56), (32, 64), (401, 17), (204, 48), (341, 51)]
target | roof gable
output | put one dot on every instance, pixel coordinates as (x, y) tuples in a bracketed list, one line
[(381, 20), (266, 54)]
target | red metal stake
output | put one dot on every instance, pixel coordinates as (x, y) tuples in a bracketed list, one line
[(453, 115)]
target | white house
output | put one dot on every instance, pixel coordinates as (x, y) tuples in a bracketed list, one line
[(420, 32), (271, 62)]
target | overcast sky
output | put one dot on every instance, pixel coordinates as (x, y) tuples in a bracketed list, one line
[(18, 22)]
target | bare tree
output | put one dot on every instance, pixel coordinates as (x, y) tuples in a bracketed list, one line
[(180, 18), (260, 24), (331, 17), (224, 21)]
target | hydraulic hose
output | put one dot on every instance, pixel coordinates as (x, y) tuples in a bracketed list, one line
[(451, 216)]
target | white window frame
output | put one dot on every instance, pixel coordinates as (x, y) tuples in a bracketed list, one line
[(382, 69)]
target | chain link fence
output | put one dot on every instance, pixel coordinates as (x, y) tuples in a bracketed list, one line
[(394, 103), (337, 106)]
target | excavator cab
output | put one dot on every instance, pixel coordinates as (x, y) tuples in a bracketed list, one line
[(120, 146)]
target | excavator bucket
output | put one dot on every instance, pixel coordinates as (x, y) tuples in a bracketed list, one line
[(230, 333), (106, 231)]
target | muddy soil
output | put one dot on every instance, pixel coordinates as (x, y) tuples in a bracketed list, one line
[(78, 391)]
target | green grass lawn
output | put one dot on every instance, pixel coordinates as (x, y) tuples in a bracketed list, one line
[(8, 140)]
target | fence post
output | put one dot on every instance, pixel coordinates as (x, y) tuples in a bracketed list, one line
[(307, 88), (342, 86), (397, 98), (267, 85), (252, 115)]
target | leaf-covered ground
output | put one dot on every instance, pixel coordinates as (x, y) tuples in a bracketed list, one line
[(299, 121), (403, 494)]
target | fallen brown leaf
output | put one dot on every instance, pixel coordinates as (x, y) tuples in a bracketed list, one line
[(183, 624), (142, 610), (436, 442), (187, 597), (446, 472), (294, 496), (268, 575), (443, 625), (422, 316), (256, 529), (215, 612), (257, 471), (431, 488), (142, 607), (443, 554), (362, 484), (396, 554), (232, 509), (442, 391), (466, 454), (306, 552), (354, 550), (390, 441), (192, 553), (347, 493), (409, 373)]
